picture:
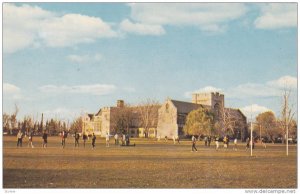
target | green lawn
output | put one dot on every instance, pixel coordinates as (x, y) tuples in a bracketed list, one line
[(150, 164)]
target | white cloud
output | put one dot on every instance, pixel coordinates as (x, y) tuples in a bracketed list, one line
[(287, 82), (31, 26), (95, 89), (84, 58), (20, 26), (252, 90), (141, 29), (72, 29), (11, 91), (269, 89), (253, 110), (10, 88), (202, 90), (277, 15), (206, 16)]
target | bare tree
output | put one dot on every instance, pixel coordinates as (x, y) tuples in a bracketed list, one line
[(148, 114), (76, 125), (122, 118), (228, 121), (287, 115), (6, 122), (13, 119)]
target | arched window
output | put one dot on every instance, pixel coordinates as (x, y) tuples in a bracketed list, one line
[(167, 107)]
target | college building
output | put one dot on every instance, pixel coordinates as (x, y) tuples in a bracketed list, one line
[(168, 119)]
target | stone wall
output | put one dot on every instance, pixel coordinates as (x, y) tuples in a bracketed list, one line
[(167, 120)]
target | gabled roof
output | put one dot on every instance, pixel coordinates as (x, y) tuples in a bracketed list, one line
[(186, 107), (235, 112)]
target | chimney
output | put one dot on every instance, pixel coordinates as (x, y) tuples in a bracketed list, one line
[(120, 103)]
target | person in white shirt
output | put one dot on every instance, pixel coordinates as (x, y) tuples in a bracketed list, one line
[(116, 139), (235, 144), (194, 144), (19, 136)]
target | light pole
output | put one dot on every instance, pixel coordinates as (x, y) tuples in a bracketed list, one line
[(251, 138), (287, 139)]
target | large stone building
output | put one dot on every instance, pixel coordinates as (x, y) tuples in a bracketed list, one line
[(172, 114), (169, 118), (107, 118)]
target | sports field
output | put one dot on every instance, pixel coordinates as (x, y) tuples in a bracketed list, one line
[(150, 164)]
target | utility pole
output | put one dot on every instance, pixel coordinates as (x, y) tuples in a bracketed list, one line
[(251, 138), (260, 133), (286, 123)]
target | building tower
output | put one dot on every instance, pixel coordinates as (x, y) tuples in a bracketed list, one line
[(214, 100)]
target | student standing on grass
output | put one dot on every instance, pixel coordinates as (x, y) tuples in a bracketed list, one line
[(217, 142), (225, 142), (84, 137), (45, 136), (93, 140), (30, 139), (263, 143), (123, 139), (107, 140), (248, 143), (178, 139), (116, 139), (208, 140), (235, 144), (19, 138), (76, 139), (63, 138), (194, 144)]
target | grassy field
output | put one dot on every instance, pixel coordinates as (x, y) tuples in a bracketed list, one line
[(150, 164)]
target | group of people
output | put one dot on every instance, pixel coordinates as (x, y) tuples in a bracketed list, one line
[(64, 134), (207, 142), (20, 137), (126, 140)]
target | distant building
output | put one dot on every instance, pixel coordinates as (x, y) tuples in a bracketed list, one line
[(169, 120), (172, 114), (105, 121)]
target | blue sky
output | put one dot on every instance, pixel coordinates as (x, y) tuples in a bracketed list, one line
[(65, 59)]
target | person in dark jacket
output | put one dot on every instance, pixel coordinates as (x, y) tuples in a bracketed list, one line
[(84, 137), (45, 136), (93, 140), (76, 139)]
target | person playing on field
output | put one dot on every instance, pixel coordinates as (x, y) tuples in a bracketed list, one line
[(248, 143), (19, 138), (116, 139), (208, 140), (235, 144), (84, 137), (76, 139), (178, 139), (217, 142), (107, 140), (63, 138), (30, 139), (194, 144), (93, 140), (45, 136)]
